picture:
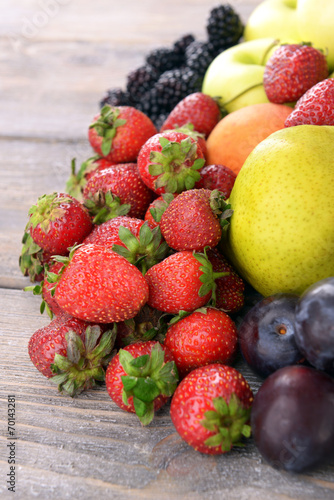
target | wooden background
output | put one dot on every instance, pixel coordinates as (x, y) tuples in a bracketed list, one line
[(58, 57)]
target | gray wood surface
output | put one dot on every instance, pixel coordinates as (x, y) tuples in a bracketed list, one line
[(57, 59)]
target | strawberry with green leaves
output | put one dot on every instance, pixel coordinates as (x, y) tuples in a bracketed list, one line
[(141, 378), (194, 219), (211, 407), (201, 110), (114, 191), (292, 70), (98, 285), (170, 162), (201, 338), (57, 222), (183, 281), (72, 352), (157, 207), (118, 133), (32, 258), (132, 238), (77, 181)]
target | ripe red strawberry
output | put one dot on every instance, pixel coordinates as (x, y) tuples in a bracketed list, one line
[(230, 288), (72, 352), (182, 281), (98, 285), (315, 107), (58, 221), (157, 207), (114, 191), (217, 177), (193, 220), (205, 336), (189, 130), (118, 133), (141, 378), (199, 109), (77, 181), (132, 238), (291, 71), (170, 162), (210, 408)]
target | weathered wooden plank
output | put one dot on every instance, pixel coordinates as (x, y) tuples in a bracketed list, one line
[(87, 444), (57, 70)]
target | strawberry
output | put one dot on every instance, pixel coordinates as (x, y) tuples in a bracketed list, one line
[(315, 107), (132, 238), (292, 70), (194, 219), (217, 177), (118, 133), (183, 281), (170, 162), (230, 288), (117, 190), (98, 285), (141, 378), (210, 408), (58, 221), (72, 352), (189, 130), (199, 109), (203, 337), (157, 207), (77, 181)]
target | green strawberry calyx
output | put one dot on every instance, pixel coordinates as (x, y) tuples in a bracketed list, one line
[(176, 166), (221, 208), (147, 377), (160, 206), (146, 250), (103, 206), (31, 258), (106, 126), (46, 211), (208, 276), (227, 422), (77, 180), (85, 363)]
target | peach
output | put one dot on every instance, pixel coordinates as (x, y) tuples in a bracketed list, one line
[(237, 134)]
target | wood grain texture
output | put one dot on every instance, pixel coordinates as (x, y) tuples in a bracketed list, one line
[(56, 65)]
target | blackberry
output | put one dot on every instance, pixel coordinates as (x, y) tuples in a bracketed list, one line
[(181, 45), (140, 81), (163, 59), (176, 84), (116, 97), (152, 106), (224, 27), (199, 56)]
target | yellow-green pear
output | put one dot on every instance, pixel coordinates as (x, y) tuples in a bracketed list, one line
[(281, 236)]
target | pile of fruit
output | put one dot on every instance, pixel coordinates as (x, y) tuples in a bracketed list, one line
[(147, 258)]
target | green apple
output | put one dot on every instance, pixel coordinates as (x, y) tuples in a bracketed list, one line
[(236, 75), (295, 20), (281, 236), (273, 18), (316, 24)]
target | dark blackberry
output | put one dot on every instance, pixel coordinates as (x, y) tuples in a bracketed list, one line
[(163, 59), (151, 105), (140, 81), (181, 45), (224, 27), (116, 97), (199, 56), (176, 84)]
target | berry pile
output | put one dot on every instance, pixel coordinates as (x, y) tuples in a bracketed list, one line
[(171, 73), (130, 265)]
